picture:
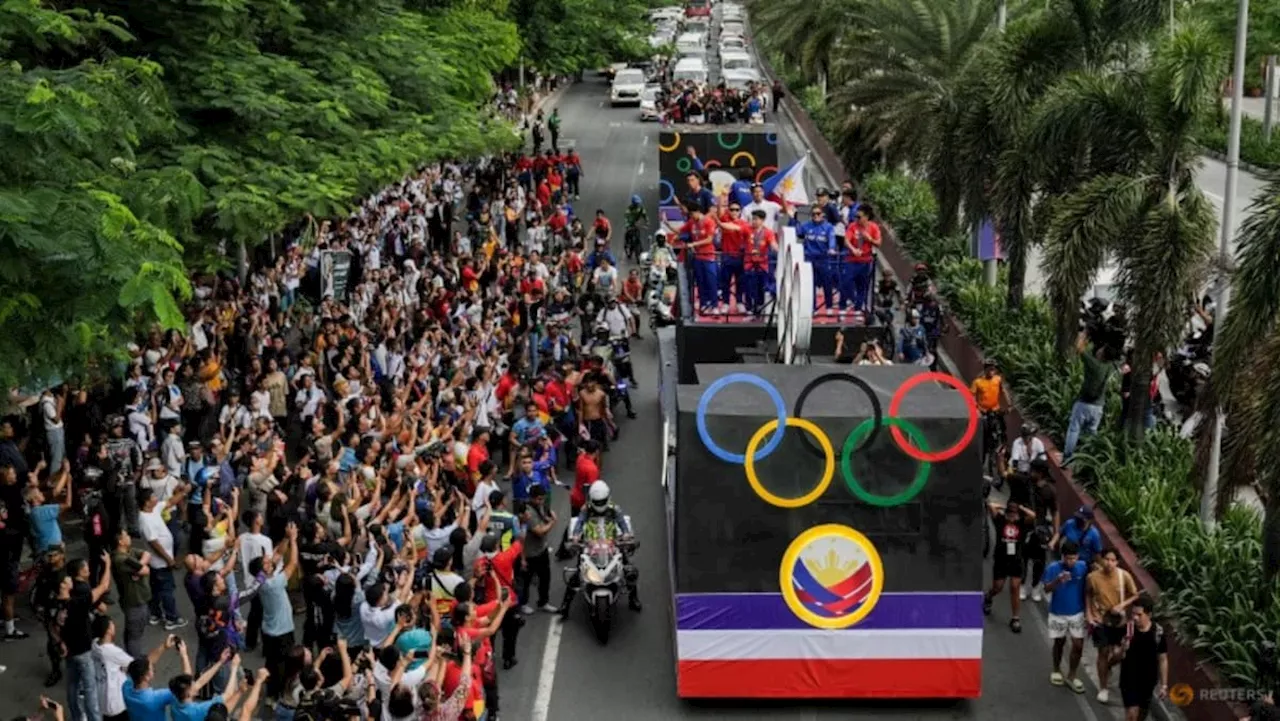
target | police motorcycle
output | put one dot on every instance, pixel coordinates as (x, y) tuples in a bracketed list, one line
[(660, 280), (602, 568)]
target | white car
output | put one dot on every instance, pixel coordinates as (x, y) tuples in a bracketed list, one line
[(732, 13), (627, 86), (735, 60), (667, 13), (731, 43), (649, 102), (739, 79), (733, 28), (661, 38)]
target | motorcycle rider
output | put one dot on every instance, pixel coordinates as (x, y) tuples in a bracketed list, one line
[(604, 349), (617, 531), (636, 218)]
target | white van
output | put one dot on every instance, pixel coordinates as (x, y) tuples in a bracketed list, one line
[(691, 45), (628, 84), (690, 69)]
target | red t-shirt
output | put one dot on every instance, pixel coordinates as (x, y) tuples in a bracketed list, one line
[(733, 235), (476, 454), (470, 278), (532, 286), (759, 244), (572, 160), (554, 179), (523, 164), (557, 222), (475, 694), (585, 473), (544, 193), (860, 241), (505, 384), (601, 227), (558, 394), (700, 230)]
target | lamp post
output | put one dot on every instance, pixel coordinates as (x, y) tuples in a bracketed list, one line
[(1209, 499), (991, 266)]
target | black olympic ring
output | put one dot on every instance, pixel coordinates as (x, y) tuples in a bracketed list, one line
[(847, 378)]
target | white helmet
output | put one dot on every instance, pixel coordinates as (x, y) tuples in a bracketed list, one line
[(599, 495)]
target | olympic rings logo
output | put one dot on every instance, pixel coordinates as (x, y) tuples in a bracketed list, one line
[(859, 438)]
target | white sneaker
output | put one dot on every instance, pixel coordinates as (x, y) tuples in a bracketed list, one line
[(1036, 595), (526, 610), (1104, 696), (549, 608), (1022, 593)]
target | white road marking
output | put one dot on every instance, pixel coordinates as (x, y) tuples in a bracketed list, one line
[(644, 140), (547, 673), (601, 104), (1215, 196), (641, 170)]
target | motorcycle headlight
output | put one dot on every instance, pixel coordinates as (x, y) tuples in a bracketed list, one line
[(644, 258), (592, 576)]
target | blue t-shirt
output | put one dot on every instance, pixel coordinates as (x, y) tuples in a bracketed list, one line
[(415, 639), (277, 612), (395, 534), (44, 524), (147, 704), (1089, 540), (526, 430), (194, 710), (1068, 596)]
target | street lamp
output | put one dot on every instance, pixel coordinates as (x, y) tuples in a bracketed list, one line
[(1209, 499)]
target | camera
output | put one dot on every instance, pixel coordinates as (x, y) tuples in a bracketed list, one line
[(1105, 325)]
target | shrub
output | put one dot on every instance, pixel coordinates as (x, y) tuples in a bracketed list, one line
[(1209, 582), (1253, 146)]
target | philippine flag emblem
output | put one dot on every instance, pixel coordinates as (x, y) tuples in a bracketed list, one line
[(831, 576)]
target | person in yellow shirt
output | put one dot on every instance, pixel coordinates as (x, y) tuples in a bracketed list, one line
[(986, 388)]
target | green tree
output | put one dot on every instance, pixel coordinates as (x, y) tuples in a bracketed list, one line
[(81, 269), (899, 82), (807, 36), (1141, 206), (567, 37)]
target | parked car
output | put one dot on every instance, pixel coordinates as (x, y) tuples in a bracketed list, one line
[(733, 28), (739, 79), (732, 43), (736, 60)]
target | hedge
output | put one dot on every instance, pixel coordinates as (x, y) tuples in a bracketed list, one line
[(1254, 149), (1208, 581)]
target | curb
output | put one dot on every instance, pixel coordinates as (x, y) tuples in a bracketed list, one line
[(1257, 170)]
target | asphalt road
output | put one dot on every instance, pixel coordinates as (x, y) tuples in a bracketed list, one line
[(564, 674)]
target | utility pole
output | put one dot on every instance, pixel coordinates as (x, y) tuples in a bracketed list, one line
[(991, 266), (1268, 113), (1209, 499)]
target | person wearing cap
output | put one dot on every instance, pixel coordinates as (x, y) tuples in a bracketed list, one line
[(1081, 532), (761, 247), (600, 253), (698, 234), (734, 231), (819, 239), (828, 204)]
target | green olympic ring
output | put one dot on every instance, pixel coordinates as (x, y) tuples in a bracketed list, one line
[(846, 463), (720, 139), (684, 165)]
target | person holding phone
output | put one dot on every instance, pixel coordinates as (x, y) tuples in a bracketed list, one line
[(141, 701), (1066, 580)]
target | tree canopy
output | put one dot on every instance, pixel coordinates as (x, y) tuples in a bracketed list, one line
[(143, 139)]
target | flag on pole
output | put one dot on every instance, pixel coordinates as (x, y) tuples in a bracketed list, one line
[(788, 184)]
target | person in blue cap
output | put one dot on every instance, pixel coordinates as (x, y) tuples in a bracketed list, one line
[(1081, 531)]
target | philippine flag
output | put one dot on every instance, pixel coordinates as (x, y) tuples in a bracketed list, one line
[(788, 184)]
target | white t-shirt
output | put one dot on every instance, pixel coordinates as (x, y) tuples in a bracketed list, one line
[(49, 405), (770, 208), (377, 622), (252, 545), (1021, 456), (154, 529), (112, 663), (616, 319), (163, 488), (411, 679), (483, 489)]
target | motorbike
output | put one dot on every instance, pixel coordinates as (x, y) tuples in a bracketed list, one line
[(993, 439), (602, 568), (631, 245)]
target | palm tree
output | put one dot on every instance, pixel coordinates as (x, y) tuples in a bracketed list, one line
[(1246, 375), (807, 35), (1004, 171), (1139, 203), (899, 85)]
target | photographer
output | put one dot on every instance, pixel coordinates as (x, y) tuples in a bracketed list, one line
[(46, 704), (141, 701), (222, 711), (1086, 412)]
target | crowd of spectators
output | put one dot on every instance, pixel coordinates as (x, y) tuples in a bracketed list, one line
[(381, 460)]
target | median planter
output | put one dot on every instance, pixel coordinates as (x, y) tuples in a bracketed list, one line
[(962, 347)]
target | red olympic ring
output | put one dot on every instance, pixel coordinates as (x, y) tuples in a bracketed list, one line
[(711, 164), (946, 454), (762, 171)]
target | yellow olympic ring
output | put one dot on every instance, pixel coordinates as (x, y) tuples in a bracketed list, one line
[(675, 143), (792, 557), (749, 157), (827, 474)]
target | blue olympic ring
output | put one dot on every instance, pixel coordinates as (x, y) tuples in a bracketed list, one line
[(718, 386), (771, 138), (671, 192)]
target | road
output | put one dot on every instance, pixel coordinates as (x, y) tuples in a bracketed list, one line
[(1212, 179), (564, 674)]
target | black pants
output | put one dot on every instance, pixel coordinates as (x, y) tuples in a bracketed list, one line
[(491, 700), (511, 624), (572, 185), (555, 140), (1033, 558), (538, 567), (275, 650), (254, 623)]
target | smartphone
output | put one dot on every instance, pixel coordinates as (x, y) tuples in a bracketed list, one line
[(422, 653)]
